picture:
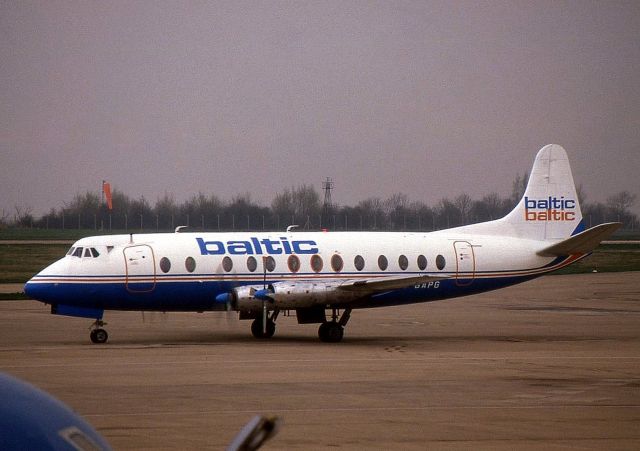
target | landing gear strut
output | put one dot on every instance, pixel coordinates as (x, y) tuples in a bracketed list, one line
[(333, 331), (98, 334), (258, 328)]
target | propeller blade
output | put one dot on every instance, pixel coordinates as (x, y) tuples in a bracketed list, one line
[(264, 317), (224, 298), (264, 295)]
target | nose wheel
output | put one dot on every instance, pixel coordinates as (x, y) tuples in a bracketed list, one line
[(98, 335)]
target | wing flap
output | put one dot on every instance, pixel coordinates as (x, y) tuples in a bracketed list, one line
[(388, 283), (582, 243)]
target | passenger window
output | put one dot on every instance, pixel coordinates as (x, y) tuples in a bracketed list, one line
[(358, 262), (227, 264), (190, 264), (316, 263), (252, 264), (95, 253), (270, 263), (294, 263), (383, 262), (78, 252), (403, 262), (165, 264), (87, 252), (440, 262), (422, 262), (336, 263)]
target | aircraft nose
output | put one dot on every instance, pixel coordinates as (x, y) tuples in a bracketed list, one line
[(31, 289), (38, 290), (43, 286)]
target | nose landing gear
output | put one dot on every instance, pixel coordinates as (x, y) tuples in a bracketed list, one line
[(98, 334)]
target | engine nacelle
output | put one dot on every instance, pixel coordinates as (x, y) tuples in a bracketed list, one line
[(291, 295)]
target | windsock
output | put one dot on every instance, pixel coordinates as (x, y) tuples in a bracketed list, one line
[(106, 189)]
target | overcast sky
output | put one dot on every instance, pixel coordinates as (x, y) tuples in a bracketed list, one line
[(427, 98)]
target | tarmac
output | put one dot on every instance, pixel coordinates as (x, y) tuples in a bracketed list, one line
[(552, 364)]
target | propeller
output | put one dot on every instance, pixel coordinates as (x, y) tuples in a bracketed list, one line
[(261, 294), (264, 294)]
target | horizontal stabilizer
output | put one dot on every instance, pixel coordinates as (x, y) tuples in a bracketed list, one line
[(389, 283), (582, 243)]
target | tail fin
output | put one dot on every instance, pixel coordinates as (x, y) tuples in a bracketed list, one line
[(549, 209)]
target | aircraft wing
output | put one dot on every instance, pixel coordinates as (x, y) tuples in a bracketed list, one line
[(582, 243), (388, 283)]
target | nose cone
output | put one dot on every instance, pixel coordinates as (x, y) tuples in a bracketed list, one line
[(42, 286), (30, 289), (34, 290)]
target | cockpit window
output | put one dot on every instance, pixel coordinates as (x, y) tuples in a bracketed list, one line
[(86, 252)]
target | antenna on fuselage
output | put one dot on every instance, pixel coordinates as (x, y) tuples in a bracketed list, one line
[(292, 227), (179, 229)]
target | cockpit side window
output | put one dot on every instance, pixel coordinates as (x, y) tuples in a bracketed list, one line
[(77, 252), (94, 252), (87, 252)]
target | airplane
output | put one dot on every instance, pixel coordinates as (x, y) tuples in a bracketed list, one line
[(31, 418), (322, 276)]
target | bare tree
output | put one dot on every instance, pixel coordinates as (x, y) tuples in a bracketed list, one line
[(518, 187), (490, 207), (297, 203), (620, 204), (4, 219), (448, 214), (23, 216), (582, 196), (463, 203)]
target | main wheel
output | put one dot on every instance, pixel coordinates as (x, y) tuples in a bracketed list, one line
[(99, 336), (258, 330), (330, 332)]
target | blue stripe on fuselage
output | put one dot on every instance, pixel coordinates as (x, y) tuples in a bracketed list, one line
[(200, 295)]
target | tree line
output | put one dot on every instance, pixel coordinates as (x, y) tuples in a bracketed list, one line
[(300, 206)]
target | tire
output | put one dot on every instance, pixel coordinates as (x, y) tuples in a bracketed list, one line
[(331, 332), (99, 336), (258, 331)]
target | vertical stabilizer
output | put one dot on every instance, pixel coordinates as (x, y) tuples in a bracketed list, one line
[(549, 209)]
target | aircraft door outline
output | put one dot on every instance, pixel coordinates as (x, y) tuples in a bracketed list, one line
[(140, 268), (465, 263)]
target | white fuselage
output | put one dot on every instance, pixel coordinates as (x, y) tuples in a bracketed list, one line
[(134, 269)]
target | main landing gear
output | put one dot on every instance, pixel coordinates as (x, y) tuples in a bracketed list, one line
[(329, 331), (333, 331), (98, 334), (260, 330)]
